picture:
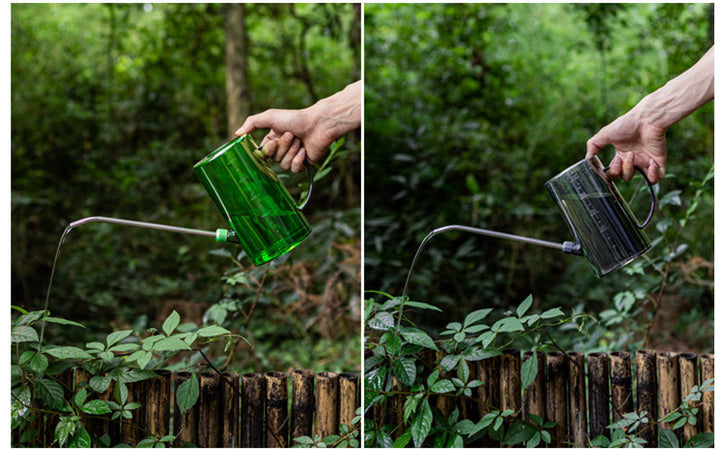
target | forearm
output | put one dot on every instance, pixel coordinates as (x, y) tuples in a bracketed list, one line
[(680, 96), (339, 114)]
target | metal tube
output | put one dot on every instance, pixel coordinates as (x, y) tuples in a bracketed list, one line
[(501, 235), (142, 224)]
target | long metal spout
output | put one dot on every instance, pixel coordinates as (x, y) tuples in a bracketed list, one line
[(566, 247), (141, 224)]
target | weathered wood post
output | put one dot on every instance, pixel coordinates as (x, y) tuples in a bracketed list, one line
[(210, 408), (578, 404), (276, 412), (556, 403), (303, 397), (349, 399), (326, 400), (687, 369), (668, 386), (646, 387), (707, 372), (230, 410), (598, 394), (185, 424), (252, 410), (535, 393), (621, 384), (158, 404)]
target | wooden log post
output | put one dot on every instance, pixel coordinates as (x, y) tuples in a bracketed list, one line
[(535, 393), (556, 401), (230, 410), (598, 394), (510, 385), (578, 404), (621, 384), (326, 404), (349, 399), (209, 426), (184, 425), (687, 370), (707, 413), (303, 403), (488, 372), (158, 404), (646, 387), (133, 429), (252, 410), (668, 386), (276, 412)]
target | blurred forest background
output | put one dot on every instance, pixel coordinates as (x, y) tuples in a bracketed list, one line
[(112, 104), (470, 109)]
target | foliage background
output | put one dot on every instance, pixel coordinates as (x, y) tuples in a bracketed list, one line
[(470, 109), (112, 104)]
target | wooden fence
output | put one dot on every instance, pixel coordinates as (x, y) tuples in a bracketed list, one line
[(252, 410), (582, 394)]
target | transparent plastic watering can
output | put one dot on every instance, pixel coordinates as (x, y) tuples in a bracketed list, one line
[(605, 228), (262, 216)]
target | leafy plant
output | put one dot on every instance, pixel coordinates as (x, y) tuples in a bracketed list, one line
[(348, 436), (118, 359)]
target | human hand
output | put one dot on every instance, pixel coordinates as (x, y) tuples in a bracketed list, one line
[(637, 143), (292, 138)]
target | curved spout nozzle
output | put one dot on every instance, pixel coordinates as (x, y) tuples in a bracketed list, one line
[(566, 247), (221, 235)]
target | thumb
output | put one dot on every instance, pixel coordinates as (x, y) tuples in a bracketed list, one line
[(257, 121), (596, 142)]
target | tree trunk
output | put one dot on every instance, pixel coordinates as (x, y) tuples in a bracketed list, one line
[(236, 79)]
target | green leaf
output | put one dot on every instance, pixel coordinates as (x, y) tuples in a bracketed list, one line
[(524, 306), (136, 375), (382, 321), (212, 331), (174, 343), (529, 371), (667, 438), (482, 354), (187, 394), (68, 352), (38, 363), (421, 425), (552, 313), (463, 371), (507, 325), (450, 361), (443, 386), (50, 392), (100, 384), (475, 316), (96, 407), (64, 429), (80, 397), (63, 321), (80, 438), (23, 334), (519, 432), (392, 343), (409, 407), (171, 323), (418, 337), (95, 345), (405, 370), (422, 305), (125, 347), (116, 337), (701, 440)]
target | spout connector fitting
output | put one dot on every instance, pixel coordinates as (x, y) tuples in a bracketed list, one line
[(572, 248), (225, 236)]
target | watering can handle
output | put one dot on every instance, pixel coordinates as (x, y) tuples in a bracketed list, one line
[(310, 186), (652, 196)]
